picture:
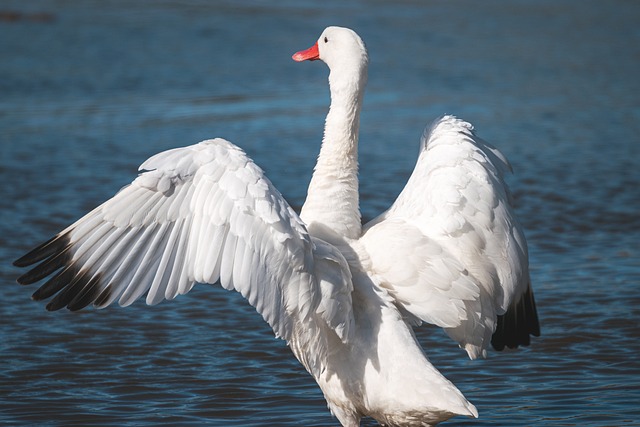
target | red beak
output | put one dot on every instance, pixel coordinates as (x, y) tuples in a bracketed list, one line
[(310, 54)]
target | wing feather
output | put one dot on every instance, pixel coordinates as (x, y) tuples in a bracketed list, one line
[(215, 239), (200, 213), (226, 262), (139, 283), (178, 270), (159, 284), (450, 249)]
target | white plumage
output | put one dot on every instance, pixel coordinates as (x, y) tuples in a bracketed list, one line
[(449, 252)]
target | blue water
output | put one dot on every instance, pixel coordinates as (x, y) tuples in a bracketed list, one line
[(90, 89)]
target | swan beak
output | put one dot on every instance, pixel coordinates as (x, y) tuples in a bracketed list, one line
[(310, 54)]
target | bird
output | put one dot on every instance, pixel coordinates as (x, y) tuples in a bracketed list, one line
[(345, 296)]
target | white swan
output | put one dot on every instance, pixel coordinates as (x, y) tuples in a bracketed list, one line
[(449, 251)]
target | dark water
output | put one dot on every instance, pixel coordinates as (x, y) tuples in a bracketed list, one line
[(90, 89)]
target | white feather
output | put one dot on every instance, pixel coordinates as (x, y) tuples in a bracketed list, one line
[(456, 203), (449, 251), (198, 213)]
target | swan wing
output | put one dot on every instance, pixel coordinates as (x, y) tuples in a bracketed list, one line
[(201, 213), (450, 249)]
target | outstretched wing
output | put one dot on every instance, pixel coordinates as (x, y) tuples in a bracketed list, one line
[(450, 249), (201, 213)]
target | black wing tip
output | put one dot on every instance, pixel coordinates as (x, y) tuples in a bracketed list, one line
[(70, 290), (50, 265), (74, 290), (23, 261), (54, 245), (88, 295), (69, 286), (56, 283), (518, 324)]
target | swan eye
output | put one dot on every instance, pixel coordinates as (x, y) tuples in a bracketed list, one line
[(326, 40)]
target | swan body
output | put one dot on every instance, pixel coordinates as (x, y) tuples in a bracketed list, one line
[(449, 251)]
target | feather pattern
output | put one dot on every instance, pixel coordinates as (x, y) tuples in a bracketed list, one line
[(459, 255), (449, 251), (203, 213)]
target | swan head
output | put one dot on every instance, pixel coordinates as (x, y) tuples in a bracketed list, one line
[(340, 48)]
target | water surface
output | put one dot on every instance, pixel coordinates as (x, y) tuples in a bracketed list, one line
[(90, 89)]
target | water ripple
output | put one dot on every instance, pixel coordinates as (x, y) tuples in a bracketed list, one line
[(101, 86)]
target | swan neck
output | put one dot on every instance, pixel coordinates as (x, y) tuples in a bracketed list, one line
[(333, 200)]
